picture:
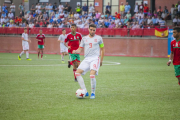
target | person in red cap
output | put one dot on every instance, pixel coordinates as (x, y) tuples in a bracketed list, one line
[(117, 15)]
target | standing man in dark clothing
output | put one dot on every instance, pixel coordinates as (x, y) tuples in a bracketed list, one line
[(84, 9)]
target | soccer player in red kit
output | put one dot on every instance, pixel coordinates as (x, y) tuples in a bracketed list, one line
[(41, 41), (175, 52), (73, 39)]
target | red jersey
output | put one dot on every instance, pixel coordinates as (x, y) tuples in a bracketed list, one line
[(175, 48), (73, 41), (40, 37)]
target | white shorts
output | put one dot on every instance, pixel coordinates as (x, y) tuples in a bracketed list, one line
[(25, 46), (90, 63), (63, 48)]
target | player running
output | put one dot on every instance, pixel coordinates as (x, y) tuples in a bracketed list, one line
[(41, 41), (25, 45), (64, 49), (175, 52), (73, 40), (92, 45)]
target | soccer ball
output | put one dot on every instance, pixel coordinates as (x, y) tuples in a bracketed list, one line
[(80, 93)]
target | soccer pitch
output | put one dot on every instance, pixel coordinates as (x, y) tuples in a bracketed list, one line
[(136, 89)]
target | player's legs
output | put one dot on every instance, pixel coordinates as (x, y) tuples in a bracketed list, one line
[(42, 53), (179, 80), (74, 69), (177, 72), (69, 61), (27, 55), (93, 83), (38, 52), (19, 56)]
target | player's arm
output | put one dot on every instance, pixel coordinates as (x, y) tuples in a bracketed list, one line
[(22, 38), (102, 53), (66, 43), (170, 58), (77, 51)]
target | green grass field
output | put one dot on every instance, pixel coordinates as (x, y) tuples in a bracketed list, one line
[(136, 89)]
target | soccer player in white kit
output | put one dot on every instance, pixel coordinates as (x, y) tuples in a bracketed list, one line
[(93, 47), (64, 49), (25, 45)]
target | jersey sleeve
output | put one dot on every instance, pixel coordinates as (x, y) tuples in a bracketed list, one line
[(66, 40), (59, 37), (101, 44), (171, 47), (44, 36), (23, 35), (80, 37), (82, 43), (37, 36)]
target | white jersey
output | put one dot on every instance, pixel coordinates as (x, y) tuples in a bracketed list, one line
[(25, 36), (62, 38), (91, 45)]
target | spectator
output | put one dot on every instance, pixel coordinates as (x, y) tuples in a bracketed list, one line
[(122, 8), (78, 9), (61, 15), (38, 8), (179, 7), (10, 15), (159, 11), (136, 16), (125, 20), (128, 15), (149, 13), (149, 21), (162, 23), (69, 9), (136, 8), (80, 24), (108, 7), (42, 8), (49, 25), (178, 21), (21, 8), (50, 8), (85, 9), (172, 11), (98, 15), (57, 15), (12, 7), (76, 15), (37, 24), (66, 7), (33, 8), (140, 20), (55, 8), (107, 11), (145, 20), (175, 21), (146, 9), (141, 14), (45, 16), (112, 25), (127, 7), (0, 10), (2, 19), (155, 14), (106, 23), (4, 8), (61, 7), (141, 7), (91, 8), (31, 25), (117, 15), (157, 20), (129, 25), (47, 9), (3, 14), (65, 15)]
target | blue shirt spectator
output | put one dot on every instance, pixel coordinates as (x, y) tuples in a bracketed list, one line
[(122, 20), (4, 7), (59, 20), (51, 20), (106, 24), (3, 15), (34, 15), (108, 7), (127, 8), (154, 20), (140, 21), (110, 16), (85, 8)]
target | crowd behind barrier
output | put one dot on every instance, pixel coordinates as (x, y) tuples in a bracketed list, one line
[(84, 31)]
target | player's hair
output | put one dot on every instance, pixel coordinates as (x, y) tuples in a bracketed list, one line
[(73, 25), (63, 29), (177, 29), (25, 28), (92, 25)]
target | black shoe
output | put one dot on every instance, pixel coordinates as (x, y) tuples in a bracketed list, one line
[(75, 80), (69, 65)]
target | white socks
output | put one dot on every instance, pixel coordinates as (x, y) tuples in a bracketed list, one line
[(93, 83), (21, 53), (81, 81), (27, 54)]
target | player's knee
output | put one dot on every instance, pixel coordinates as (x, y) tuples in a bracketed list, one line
[(92, 76), (77, 74)]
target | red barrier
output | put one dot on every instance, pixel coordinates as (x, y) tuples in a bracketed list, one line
[(136, 32), (2, 30), (121, 31), (149, 32), (99, 31), (111, 31), (68, 30), (21, 30), (35, 30), (11, 30), (83, 31), (105, 31), (58, 31), (48, 31)]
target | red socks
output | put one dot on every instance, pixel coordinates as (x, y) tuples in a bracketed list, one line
[(74, 71), (71, 63), (41, 55)]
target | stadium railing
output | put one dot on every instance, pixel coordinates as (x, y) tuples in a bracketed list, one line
[(84, 31)]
